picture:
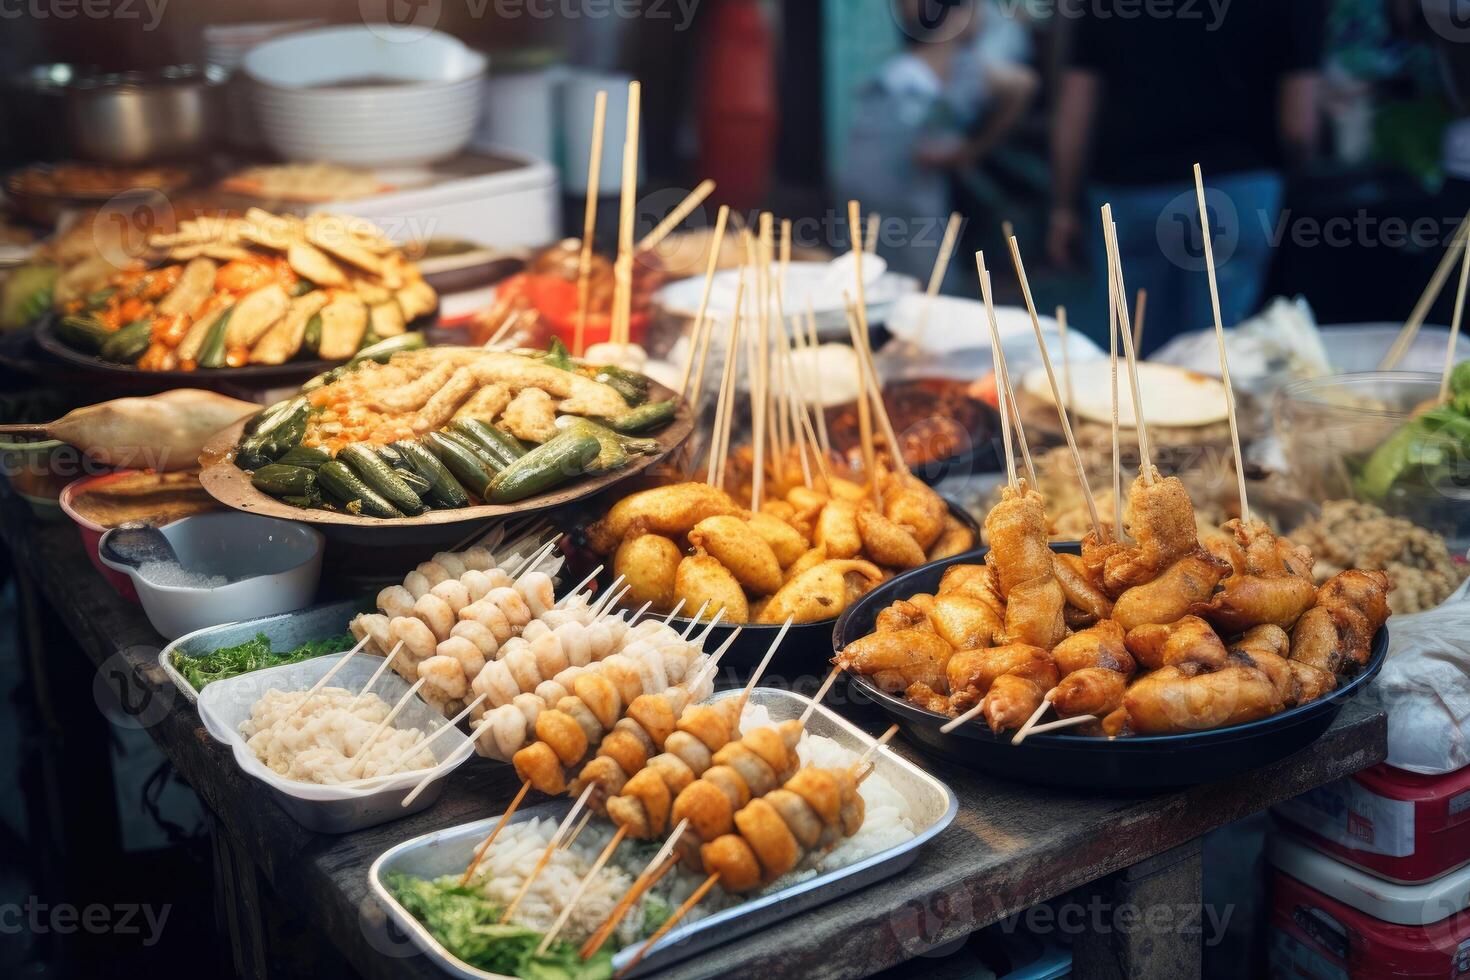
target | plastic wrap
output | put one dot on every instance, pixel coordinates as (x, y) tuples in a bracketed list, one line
[(1425, 687)]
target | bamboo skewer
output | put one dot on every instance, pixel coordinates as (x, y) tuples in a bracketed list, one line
[(580, 890), (546, 855), (589, 222), (1449, 354), (1000, 391), (1041, 709), (1062, 723), (870, 236), (659, 866), (785, 418), (936, 277), (1140, 306), (1113, 358), (412, 749), (963, 717), (1204, 228), (576, 831), (1056, 393), (880, 410), (387, 720), (865, 416), (760, 383), (1003, 373), (723, 399), (682, 210), (1066, 357), (700, 326), (1427, 299), (387, 662), (479, 854), (814, 344), (332, 672), (1110, 232), (678, 914), (877, 746), (623, 267)]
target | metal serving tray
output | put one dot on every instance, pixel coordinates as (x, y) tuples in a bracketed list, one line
[(285, 631), (447, 852)]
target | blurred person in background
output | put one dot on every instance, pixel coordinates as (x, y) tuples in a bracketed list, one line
[(1144, 96), (927, 116)]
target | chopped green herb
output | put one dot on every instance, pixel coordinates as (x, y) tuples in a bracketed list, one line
[(251, 655)]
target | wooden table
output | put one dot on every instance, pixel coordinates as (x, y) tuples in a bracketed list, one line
[(1011, 847)]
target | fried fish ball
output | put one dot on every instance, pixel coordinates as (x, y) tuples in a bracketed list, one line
[(899, 658), (888, 543), (1250, 600), (1172, 699), (909, 501), (955, 539), (1187, 640), (1164, 599), (668, 510), (822, 591), (786, 541), (737, 546), (809, 559), (701, 578), (649, 564), (837, 529)]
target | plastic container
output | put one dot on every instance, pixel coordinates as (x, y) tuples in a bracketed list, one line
[(92, 532), (1398, 825), (1329, 921), (224, 704), (273, 566)]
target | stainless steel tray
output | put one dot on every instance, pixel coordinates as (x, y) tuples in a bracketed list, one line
[(447, 851), (287, 630)]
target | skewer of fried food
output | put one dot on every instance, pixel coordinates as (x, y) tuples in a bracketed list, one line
[(1066, 358), (936, 277), (1140, 306), (1204, 228), (699, 332), (332, 672), (541, 863), (1056, 392), (814, 343), (682, 210), (623, 266), (722, 400), (1449, 354), (1030, 723), (713, 879), (589, 221), (1427, 299), (1125, 329), (387, 720)]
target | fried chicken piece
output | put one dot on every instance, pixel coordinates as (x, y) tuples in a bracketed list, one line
[(1160, 517), (822, 591), (1097, 550), (1224, 547), (1191, 579), (1034, 611), (1251, 600), (1016, 528), (974, 671), (1264, 553), (1266, 648), (1310, 682), (1083, 592), (956, 539), (1336, 635), (701, 579), (1188, 640), (739, 548), (669, 510), (965, 622), (904, 614), (1173, 700), (1101, 645), (976, 581), (888, 543), (1089, 691), (907, 500), (926, 697), (530, 415), (898, 659)]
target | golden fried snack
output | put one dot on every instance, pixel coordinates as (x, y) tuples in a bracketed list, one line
[(1189, 580), (841, 489), (1276, 669), (1101, 645), (806, 503), (1250, 600), (837, 529), (929, 699), (1266, 648), (1160, 517), (737, 546), (966, 623), (976, 581), (1337, 633), (809, 559), (1090, 691), (973, 671), (822, 591), (700, 579), (1173, 700), (1188, 640), (1017, 531), (1033, 613), (897, 659), (888, 543), (649, 564), (911, 502), (669, 510), (779, 509), (1264, 553), (904, 614), (1310, 683), (955, 538), (1082, 592), (1224, 547), (786, 542)]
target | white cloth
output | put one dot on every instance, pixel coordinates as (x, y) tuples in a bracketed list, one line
[(1425, 687)]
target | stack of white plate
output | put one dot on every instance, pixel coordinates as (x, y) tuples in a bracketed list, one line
[(367, 96)]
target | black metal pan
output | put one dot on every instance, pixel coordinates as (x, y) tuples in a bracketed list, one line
[(1132, 762)]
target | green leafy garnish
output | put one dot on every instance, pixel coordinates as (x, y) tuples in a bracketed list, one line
[(558, 356), (467, 924), (255, 654)]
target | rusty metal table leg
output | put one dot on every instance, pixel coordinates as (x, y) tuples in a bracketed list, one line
[(1145, 922)]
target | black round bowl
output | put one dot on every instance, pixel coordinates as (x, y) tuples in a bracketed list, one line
[(1132, 762)]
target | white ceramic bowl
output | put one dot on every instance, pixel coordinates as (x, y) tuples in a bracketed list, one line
[(425, 110), (273, 567)]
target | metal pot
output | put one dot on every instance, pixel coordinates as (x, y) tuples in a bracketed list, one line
[(135, 117)]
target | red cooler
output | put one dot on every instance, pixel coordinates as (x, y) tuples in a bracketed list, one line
[(1395, 824), (1330, 921)]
